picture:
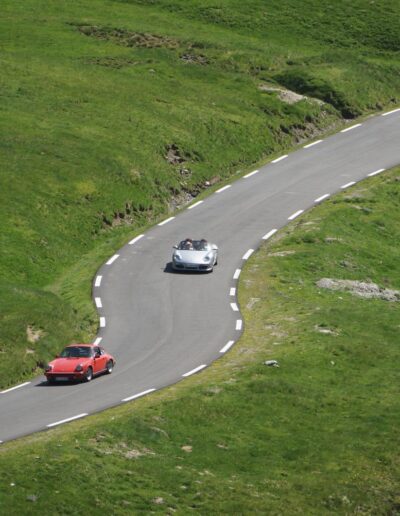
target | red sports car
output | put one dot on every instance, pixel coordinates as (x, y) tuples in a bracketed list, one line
[(79, 362)]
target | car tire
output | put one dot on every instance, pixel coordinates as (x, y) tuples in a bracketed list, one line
[(109, 367), (88, 375)]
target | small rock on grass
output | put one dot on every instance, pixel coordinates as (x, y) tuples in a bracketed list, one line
[(271, 363)]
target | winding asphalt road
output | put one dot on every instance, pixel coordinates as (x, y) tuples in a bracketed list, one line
[(163, 326)]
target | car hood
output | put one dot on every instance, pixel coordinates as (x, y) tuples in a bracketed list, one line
[(193, 256), (67, 365)]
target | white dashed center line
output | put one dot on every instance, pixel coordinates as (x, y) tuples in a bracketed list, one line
[(348, 184), (139, 395), (97, 283), (322, 198), (269, 234), (391, 112), (66, 420), (296, 214), (239, 324), (223, 188), (279, 159), (237, 273), (234, 307), (97, 341), (227, 346), (195, 204), (247, 255), (166, 221), (102, 322), (14, 388), (136, 239), (195, 370), (350, 128), (232, 291), (251, 174), (312, 144), (98, 302), (376, 172), (112, 259)]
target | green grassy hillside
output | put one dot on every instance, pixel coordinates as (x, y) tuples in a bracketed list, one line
[(316, 435), (94, 95)]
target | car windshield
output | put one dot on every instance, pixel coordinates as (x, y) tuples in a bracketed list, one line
[(76, 352), (194, 245)]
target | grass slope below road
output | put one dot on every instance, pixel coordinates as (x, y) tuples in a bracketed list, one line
[(318, 435), (94, 96)]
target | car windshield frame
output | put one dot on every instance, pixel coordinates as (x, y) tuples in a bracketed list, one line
[(196, 245), (77, 352)]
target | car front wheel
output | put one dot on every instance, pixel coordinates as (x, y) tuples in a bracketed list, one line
[(88, 375), (110, 366)]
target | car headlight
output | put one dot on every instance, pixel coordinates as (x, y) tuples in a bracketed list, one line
[(207, 258), (48, 368), (78, 368), (177, 257)]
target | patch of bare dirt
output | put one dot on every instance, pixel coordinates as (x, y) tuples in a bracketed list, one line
[(282, 253), (33, 334), (195, 59), (360, 288), (128, 38), (174, 155), (288, 96)]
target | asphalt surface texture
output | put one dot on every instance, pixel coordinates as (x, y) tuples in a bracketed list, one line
[(162, 325)]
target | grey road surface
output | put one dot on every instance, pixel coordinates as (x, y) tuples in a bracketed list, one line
[(162, 325)]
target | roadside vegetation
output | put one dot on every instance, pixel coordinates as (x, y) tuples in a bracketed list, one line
[(114, 113), (316, 435)]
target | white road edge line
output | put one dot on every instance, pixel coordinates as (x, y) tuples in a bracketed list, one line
[(16, 387), (251, 174), (350, 128), (247, 255), (195, 370), (239, 323), (312, 144), (390, 112), (195, 204), (237, 273), (376, 172), (97, 341), (280, 159), (67, 420), (98, 302), (97, 283), (165, 221), (269, 234), (232, 291), (227, 346), (112, 259), (348, 184), (296, 214), (223, 188), (135, 239), (234, 307), (322, 197), (102, 322), (139, 395)]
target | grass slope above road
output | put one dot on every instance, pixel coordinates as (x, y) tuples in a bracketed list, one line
[(317, 435), (94, 97)]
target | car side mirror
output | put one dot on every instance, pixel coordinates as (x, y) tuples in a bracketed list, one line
[(97, 355), (56, 356), (214, 248), (174, 247)]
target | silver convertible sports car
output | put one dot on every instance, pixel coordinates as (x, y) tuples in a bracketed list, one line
[(194, 255)]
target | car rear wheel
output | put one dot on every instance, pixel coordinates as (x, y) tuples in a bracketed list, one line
[(88, 375), (110, 366)]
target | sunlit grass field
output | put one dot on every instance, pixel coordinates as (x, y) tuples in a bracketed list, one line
[(93, 95), (316, 435)]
